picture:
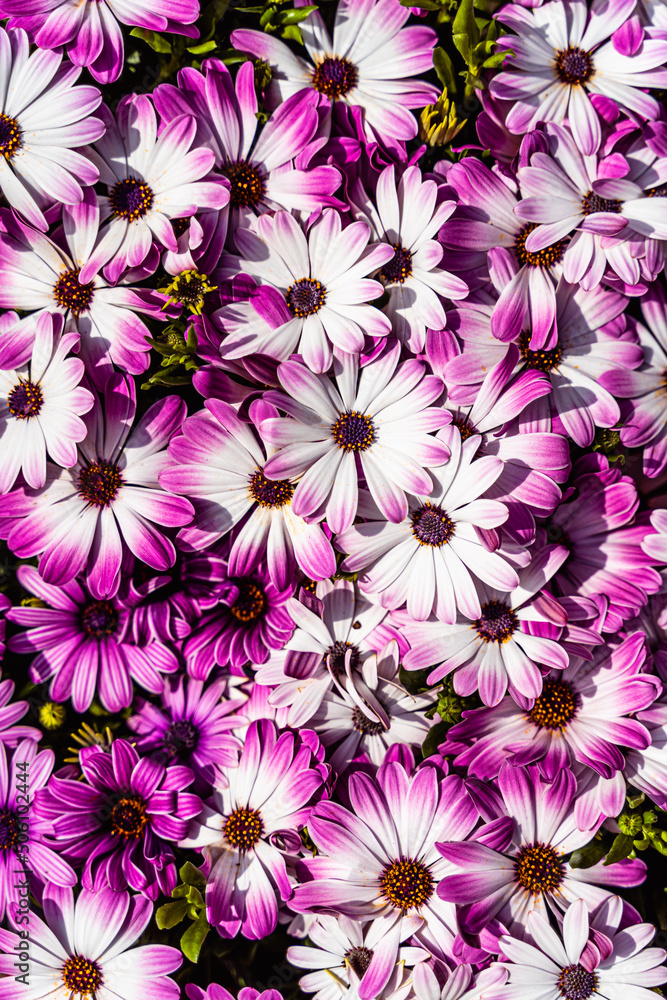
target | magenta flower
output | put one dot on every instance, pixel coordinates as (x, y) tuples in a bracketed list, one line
[(12, 711), (248, 828), (215, 992), (83, 519), (121, 819), (82, 646)]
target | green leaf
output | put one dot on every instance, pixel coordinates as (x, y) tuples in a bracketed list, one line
[(589, 855), (199, 50), (292, 32), (170, 914), (421, 4), (191, 875), (156, 41), (194, 937), (465, 24), (295, 16), (620, 849), (413, 681), (435, 737), (443, 66)]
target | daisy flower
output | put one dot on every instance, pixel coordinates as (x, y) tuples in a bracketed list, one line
[(40, 407), (321, 278), (246, 829), (375, 421), (41, 127), (83, 948), (215, 992), (12, 711), (120, 819), (150, 181), (407, 216), (531, 874), (431, 559), (85, 518), (219, 463), (90, 31), (365, 66)]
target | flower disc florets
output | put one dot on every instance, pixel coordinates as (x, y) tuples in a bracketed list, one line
[(335, 77), (270, 492), (541, 361), (81, 976), (546, 257), (538, 868), (353, 431), (128, 817), (407, 884), (575, 983), (99, 619), (305, 297), (8, 830), (70, 294), (399, 267), (243, 828), (25, 400), (574, 65), (555, 707), (334, 657), (131, 199), (364, 725), (99, 483), (497, 622), (10, 136), (432, 526), (593, 202), (181, 735), (249, 604), (359, 959), (247, 187)]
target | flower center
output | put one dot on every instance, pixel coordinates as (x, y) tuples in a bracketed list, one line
[(335, 77), (249, 604), (70, 294), (270, 492), (188, 289), (575, 983), (99, 483), (432, 526), (364, 725), (8, 830), (543, 361), (82, 976), (538, 869), (25, 400), (593, 202), (359, 959), (659, 192), (243, 828), (181, 735), (131, 199), (466, 429), (353, 431), (247, 187), (497, 622), (128, 817), (305, 297), (334, 658), (407, 884), (10, 136), (573, 65), (399, 267), (555, 707), (99, 619), (538, 258)]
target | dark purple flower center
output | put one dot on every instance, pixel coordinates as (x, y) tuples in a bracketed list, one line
[(359, 959), (334, 658), (305, 297), (10, 136), (546, 257), (538, 868), (555, 707), (593, 203), (9, 830), (542, 361), (247, 187), (364, 725), (575, 983), (250, 603), (243, 828), (131, 199), (70, 294), (180, 735), (99, 483), (399, 267), (497, 622), (658, 192), (81, 976), (270, 492), (353, 431), (335, 77), (406, 884), (128, 817), (25, 400), (466, 429), (573, 65), (432, 526), (99, 619)]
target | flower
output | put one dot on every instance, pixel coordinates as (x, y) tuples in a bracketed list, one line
[(378, 419), (83, 947), (40, 128), (246, 829), (364, 66), (120, 820), (12, 711), (82, 520)]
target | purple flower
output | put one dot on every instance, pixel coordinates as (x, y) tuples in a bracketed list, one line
[(215, 992), (84, 518), (248, 828), (12, 711), (121, 819)]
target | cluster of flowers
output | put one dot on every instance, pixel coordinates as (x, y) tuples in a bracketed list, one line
[(391, 500)]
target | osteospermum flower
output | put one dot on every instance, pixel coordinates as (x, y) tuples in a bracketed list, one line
[(430, 559), (375, 421), (322, 278), (40, 407), (121, 819), (12, 711), (83, 948), (562, 51), (40, 127), (150, 181), (364, 66), (82, 647), (246, 829), (83, 519), (90, 31)]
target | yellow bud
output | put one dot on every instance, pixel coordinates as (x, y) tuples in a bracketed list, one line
[(438, 123), (51, 715)]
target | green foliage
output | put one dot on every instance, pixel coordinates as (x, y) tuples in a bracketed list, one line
[(179, 359), (187, 901), (638, 830), (286, 22)]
